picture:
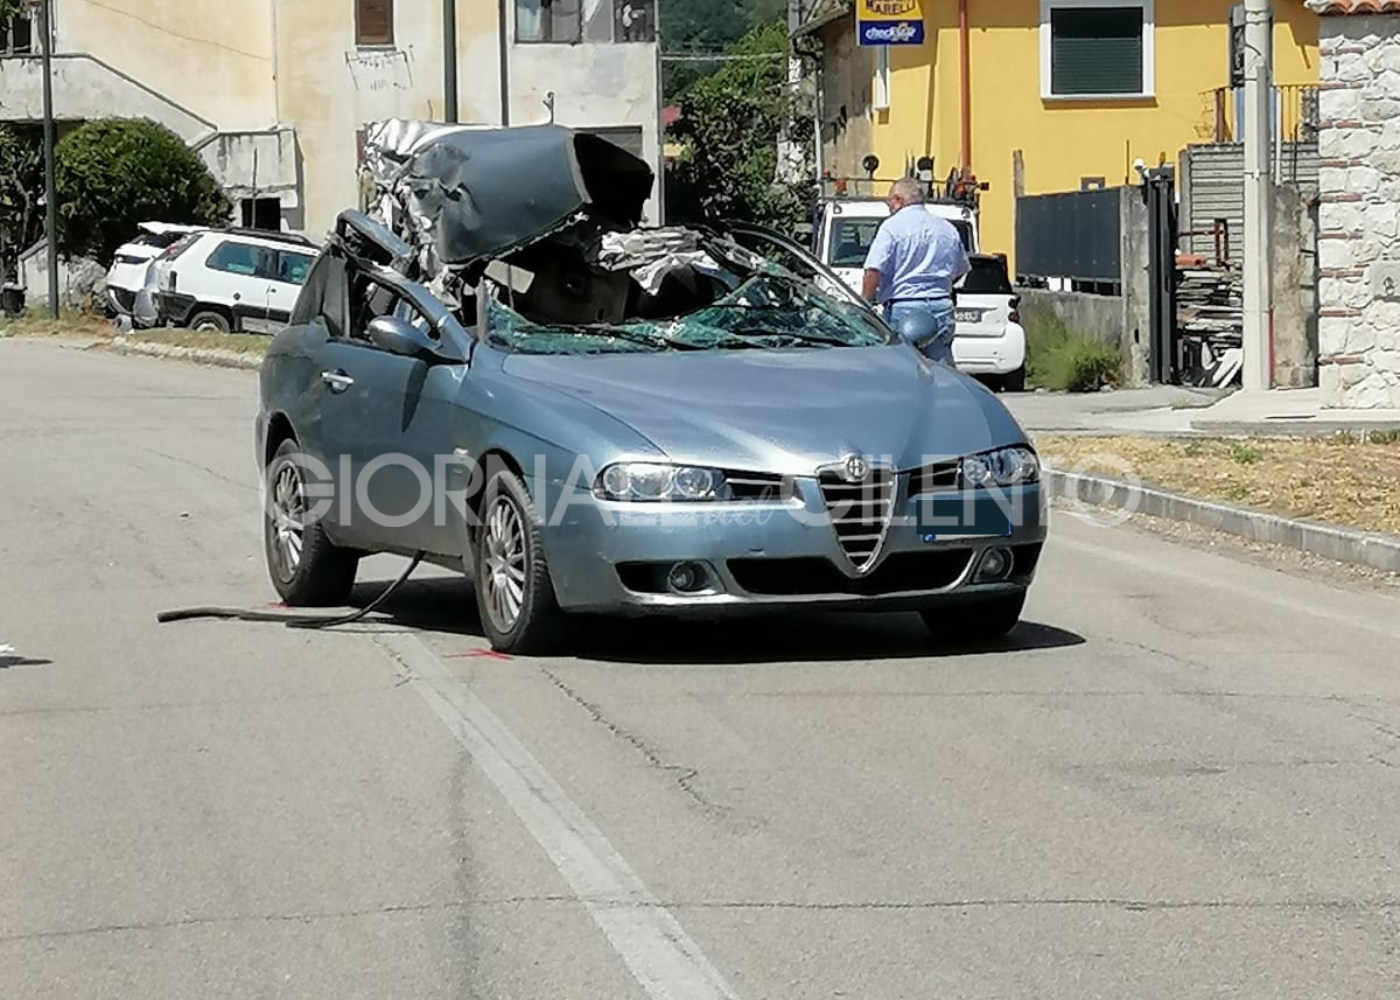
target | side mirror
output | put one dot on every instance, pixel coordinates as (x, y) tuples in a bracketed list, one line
[(398, 336)]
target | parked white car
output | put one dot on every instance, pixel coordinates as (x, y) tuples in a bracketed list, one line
[(989, 342), (131, 278), (232, 280)]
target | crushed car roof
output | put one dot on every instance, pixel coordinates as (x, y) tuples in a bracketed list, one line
[(473, 193)]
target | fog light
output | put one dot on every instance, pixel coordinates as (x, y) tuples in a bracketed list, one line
[(995, 565), (685, 577)]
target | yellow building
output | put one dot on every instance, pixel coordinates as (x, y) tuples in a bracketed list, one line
[(1051, 95)]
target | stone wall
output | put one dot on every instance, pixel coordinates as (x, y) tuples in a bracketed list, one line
[(1359, 212)]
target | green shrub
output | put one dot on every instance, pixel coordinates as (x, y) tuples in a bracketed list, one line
[(1065, 360), (114, 174)]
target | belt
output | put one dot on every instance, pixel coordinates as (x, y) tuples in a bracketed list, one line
[(897, 302)]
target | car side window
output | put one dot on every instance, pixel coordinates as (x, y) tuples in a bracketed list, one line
[(293, 267), (237, 258)]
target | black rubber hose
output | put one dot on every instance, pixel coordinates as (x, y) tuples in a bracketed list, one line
[(291, 621)]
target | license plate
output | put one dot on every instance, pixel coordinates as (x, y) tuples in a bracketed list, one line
[(963, 514), (967, 315)]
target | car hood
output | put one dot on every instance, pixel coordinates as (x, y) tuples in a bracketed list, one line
[(784, 411)]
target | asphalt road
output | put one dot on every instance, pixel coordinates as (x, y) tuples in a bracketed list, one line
[(1178, 780)]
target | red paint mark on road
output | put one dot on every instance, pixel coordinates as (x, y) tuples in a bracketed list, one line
[(280, 605), (488, 654)]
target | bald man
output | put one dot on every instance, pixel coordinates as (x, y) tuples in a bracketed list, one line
[(913, 263)]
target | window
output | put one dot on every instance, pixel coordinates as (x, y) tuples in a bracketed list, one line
[(374, 22), (628, 137), (244, 259), (1094, 49), (261, 213), (634, 20), (17, 35), (987, 277), (850, 241), (548, 21), (292, 267)]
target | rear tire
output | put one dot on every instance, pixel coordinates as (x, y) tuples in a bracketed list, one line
[(306, 567), (514, 594), (210, 320), (989, 618), (1014, 382)]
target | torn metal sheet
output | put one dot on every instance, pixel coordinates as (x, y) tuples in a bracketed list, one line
[(463, 195)]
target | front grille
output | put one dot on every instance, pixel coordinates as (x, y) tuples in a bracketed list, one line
[(902, 572), (756, 486), (930, 478), (859, 512)]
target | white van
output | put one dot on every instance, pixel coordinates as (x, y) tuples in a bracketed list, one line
[(845, 228)]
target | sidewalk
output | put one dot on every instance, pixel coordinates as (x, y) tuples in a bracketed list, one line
[(1181, 411)]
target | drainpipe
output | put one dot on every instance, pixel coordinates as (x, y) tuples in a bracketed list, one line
[(966, 87), (449, 61)]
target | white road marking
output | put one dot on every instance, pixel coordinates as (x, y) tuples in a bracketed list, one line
[(658, 952)]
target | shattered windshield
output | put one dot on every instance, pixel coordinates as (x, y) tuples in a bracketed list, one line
[(678, 301)]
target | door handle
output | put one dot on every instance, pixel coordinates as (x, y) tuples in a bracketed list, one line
[(337, 380)]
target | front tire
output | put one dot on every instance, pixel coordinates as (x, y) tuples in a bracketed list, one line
[(514, 595), (306, 567), (210, 321), (989, 618)]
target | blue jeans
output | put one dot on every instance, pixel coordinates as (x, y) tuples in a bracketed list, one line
[(927, 325)]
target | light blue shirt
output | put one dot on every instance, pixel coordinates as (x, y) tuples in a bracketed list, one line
[(918, 255)]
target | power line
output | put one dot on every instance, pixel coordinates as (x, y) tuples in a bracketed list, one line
[(722, 58)]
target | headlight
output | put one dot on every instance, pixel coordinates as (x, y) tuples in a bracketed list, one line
[(1003, 467), (645, 481)]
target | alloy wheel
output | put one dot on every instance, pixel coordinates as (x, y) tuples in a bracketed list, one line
[(504, 564), (288, 524)]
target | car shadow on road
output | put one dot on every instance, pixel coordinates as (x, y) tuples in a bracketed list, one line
[(447, 606)]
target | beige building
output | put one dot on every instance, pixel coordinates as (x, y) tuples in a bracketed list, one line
[(276, 94)]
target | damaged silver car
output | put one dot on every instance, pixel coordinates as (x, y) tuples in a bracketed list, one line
[(498, 367)]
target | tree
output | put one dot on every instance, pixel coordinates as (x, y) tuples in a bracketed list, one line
[(731, 123), (21, 189), (114, 174), (706, 27)]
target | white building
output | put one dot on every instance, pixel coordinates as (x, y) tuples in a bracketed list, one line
[(276, 94)]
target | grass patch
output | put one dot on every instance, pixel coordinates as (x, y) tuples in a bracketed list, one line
[(254, 344), (70, 323), (1345, 480), (1064, 360), (86, 326)]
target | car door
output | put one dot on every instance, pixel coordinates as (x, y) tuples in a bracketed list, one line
[(386, 431), (289, 274), (235, 277)]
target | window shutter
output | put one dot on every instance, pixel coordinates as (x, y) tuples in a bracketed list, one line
[(374, 22), (1096, 50)]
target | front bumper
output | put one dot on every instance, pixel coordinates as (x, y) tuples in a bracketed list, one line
[(608, 557)]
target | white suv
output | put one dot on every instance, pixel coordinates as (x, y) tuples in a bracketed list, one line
[(232, 279), (989, 342), (131, 278)]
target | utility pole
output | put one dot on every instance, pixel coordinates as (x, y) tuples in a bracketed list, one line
[(503, 43), (50, 185), (449, 61), (1258, 195)]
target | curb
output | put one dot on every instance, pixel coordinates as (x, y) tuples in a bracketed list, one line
[(1292, 427), (202, 356), (1346, 545)]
